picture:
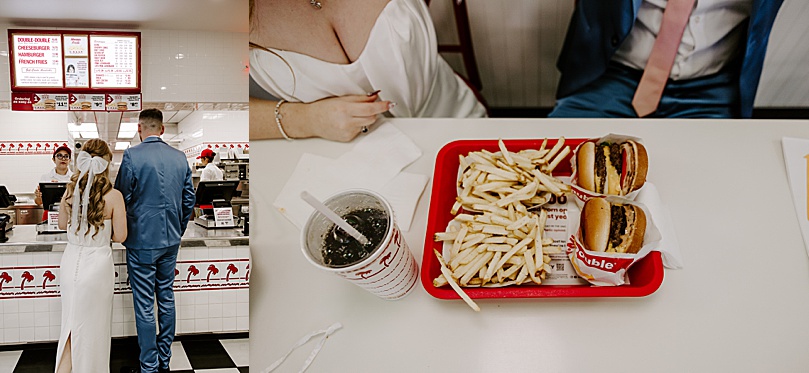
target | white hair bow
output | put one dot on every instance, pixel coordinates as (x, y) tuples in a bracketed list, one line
[(89, 165)]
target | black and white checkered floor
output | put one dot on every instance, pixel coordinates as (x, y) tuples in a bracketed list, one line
[(190, 353)]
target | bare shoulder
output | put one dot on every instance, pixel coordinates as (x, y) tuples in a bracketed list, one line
[(113, 196)]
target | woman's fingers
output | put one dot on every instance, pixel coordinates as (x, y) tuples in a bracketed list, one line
[(368, 109)]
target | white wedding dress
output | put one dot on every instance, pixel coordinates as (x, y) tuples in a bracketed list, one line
[(87, 280), (400, 59)]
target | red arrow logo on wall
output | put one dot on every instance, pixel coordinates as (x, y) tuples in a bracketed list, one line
[(192, 270), (211, 270), (26, 277), (231, 269), (48, 277), (4, 278)]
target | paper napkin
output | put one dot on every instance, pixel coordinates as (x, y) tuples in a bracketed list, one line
[(669, 246), (375, 163)]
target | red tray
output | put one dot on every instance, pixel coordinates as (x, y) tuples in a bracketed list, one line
[(645, 276)]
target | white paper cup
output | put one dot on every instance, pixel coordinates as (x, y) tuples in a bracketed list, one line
[(389, 272)]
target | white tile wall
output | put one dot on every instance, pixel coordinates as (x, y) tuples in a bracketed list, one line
[(19, 126), (216, 126), (202, 311), (213, 68)]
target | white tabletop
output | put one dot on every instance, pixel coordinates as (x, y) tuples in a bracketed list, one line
[(740, 304)]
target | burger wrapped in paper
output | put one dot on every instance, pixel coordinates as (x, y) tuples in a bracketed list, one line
[(612, 165), (613, 233)]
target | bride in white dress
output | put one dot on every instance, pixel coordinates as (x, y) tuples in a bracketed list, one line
[(327, 68), (93, 214)]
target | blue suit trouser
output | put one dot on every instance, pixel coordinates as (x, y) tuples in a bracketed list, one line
[(610, 96), (151, 273)]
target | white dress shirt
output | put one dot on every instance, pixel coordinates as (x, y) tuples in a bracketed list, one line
[(211, 173), (712, 37), (53, 175)]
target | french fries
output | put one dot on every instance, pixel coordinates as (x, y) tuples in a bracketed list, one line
[(497, 238)]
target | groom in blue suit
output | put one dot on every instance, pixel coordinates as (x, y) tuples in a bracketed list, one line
[(715, 74), (155, 180)]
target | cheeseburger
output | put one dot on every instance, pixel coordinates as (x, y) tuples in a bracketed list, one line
[(612, 168), (612, 227), (85, 105)]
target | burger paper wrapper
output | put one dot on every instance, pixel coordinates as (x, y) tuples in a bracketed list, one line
[(581, 195), (608, 269)]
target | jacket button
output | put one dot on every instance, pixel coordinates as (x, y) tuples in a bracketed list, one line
[(614, 41)]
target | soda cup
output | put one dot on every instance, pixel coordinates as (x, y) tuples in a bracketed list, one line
[(386, 269)]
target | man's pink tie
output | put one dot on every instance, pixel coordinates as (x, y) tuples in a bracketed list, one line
[(658, 68)]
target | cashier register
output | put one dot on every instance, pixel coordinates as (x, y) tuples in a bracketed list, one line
[(213, 198), (6, 223), (51, 196)]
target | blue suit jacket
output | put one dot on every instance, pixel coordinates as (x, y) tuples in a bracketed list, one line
[(598, 28), (155, 180)]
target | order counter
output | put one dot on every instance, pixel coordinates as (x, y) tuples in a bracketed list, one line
[(211, 284)]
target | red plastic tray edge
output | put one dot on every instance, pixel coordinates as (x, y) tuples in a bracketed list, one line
[(646, 275)]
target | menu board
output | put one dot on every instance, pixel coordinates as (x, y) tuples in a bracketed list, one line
[(114, 61), (74, 62), (37, 60)]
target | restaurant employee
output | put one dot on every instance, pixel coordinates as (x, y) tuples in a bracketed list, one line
[(59, 174), (210, 172)]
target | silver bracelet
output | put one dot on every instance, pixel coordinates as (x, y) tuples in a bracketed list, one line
[(278, 119)]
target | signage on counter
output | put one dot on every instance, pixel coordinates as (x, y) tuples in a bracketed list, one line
[(223, 216), (70, 70)]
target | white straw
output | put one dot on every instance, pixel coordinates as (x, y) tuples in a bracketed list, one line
[(336, 219)]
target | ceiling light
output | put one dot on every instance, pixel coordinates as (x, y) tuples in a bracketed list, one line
[(4, 53), (162, 88), (197, 134), (127, 130), (89, 134), (120, 145), (88, 128), (128, 127), (179, 56)]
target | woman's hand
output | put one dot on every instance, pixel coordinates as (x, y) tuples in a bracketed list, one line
[(335, 118)]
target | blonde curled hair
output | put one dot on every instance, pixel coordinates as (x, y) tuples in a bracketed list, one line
[(100, 186)]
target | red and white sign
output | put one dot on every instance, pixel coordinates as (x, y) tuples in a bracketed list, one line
[(75, 45), (123, 102), (39, 101), (223, 216), (29, 147), (29, 282), (37, 60), (198, 275), (87, 102), (190, 275), (74, 62), (114, 61), (215, 146)]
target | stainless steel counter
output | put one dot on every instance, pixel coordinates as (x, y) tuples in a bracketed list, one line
[(24, 238)]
